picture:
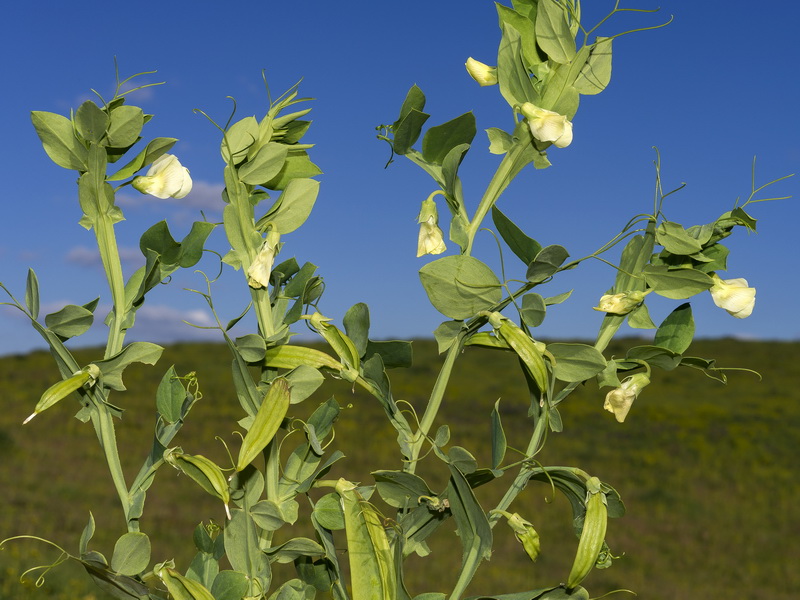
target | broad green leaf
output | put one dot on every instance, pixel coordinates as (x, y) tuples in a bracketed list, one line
[(70, 321), (242, 548), (59, 140), (714, 258), (414, 100), (513, 78), (472, 526), (533, 309), (576, 362), (639, 318), (595, 74), (460, 286), (118, 586), (238, 139), (498, 437), (356, 325), (525, 27), (557, 299), (131, 554), (400, 489), (546, 263), (32, 294), (125, 126), (156, 148), (112, 368), (409, 124), (394, 353), (677, 330), (303, 381), (439, 140), (499, 140), (294, 589), (251, 347), (328, 512), (91, 121), (656, 356), (676, 240), (86, 535), (289, 551), (446, 334), (553, 32), (229, 585), (170, 397), (677, 284), (297, 166), (293, 206), (268, 515), (265, 165), (524, 247)]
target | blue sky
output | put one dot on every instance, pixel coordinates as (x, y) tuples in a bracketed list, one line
[(712, 90)]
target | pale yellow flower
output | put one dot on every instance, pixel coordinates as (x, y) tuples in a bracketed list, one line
[(547, 126), (261, 268), (480, 72), (619, 400), (619, 304), (166, 178), (431, 238), (734, 296)]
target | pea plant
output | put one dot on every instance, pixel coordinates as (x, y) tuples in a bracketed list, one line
[(288, 471)]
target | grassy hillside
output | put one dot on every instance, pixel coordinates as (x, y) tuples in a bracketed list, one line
[(706, 471)]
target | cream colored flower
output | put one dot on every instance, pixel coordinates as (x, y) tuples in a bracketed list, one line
[(548, 126), (166, 178), (619, 304), (619, 400), (431, 238), (734, 296), (480, 72), (261, 268)]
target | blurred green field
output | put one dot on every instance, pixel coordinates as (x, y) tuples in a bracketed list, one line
[(706, 471)]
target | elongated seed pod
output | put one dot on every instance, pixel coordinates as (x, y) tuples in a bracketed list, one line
[(266, 423), (372, 572), (288, 356), (62, 389), (204, 472), (593, 534), (341, 344), (524, 346), (183, 588)]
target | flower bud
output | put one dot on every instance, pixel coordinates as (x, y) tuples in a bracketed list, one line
[(431, 238), (733, 295), (619, 400), (261, 268), (547, 126), (166, 178), (480, 72), (619, 304)]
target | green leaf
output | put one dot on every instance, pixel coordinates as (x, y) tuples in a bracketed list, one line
[(639, 318), (32, 294), (446, 334), (86, 535), (91, 121), (676, 240), (546, 263), (125, 126), (229, 585), (297, 166), (553, 33), (268, 515), (595, 74), (70, 321), (156, 148), (238, 139), (112, 368), (460, 286), (513, 78), (251, 347), (303, 381), (439, 140), (677, 283), (241, 546), (399, 489), (524, 247), (59, 140), (576, 362), (408, 126), (499, 443), (170, 397), (356, 325), (131, 554), (299, 546), (677, 330), (265, 165), (293, 206), (525, 27), (655, 356), (328, 512), (394, 353), (533, 309)]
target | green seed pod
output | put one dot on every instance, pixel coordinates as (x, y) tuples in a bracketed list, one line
[(266, 423), (183, 588), (290, 357), (524, 346), (524, 532), (372, 571), (341, 344), (62, 389), (204, 471), (593, 534)]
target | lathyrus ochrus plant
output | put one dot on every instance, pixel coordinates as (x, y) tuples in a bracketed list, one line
[(547, 59)]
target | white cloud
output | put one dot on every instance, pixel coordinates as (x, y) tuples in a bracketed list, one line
[(89, 257)]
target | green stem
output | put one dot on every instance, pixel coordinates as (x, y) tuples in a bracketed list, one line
[(109, 254), (104, 427), (435, 401), (515, 159)]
